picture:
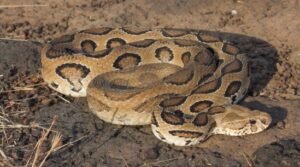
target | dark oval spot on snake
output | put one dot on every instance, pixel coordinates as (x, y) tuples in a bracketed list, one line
[(185, 133), (63, 39), (114, 42), (88, 46), (51, 54), (164, 54), (55, 51), (234, 66), (208, 87), (173, 101), (185, 43), (127, 60), (200, 106), (135, 30), (201, 119), (233, 88), (173, 118), (74, 69), (143, 44), (98, 31), (230, 49), (73, 73), (216, 110), (168, 32), (207, 38), (205, 57), (181, 77), (185, 57)]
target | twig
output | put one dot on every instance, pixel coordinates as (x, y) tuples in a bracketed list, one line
[(18, 126), (64, 99), (27, 88), (15, 38), (248, 160), (22, 6), (3, 155)]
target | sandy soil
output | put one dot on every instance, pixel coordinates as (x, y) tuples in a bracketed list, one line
[(267, 30)]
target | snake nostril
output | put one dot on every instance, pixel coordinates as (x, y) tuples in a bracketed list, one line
[(252, 122)]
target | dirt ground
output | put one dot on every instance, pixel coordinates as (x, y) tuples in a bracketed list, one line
[(267, 30)]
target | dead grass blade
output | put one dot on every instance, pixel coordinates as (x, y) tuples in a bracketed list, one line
[(38, 145), (56, 142), (248, 160)]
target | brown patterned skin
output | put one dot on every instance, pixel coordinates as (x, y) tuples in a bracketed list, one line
[(182, 82)]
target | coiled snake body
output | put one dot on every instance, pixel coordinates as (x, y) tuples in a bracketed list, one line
[(185, 83)]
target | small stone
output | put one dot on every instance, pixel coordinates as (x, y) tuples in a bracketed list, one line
[(234, 12), (280, 125), (46, 102)]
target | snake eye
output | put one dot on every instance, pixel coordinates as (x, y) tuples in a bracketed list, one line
[(264, 121), (252, 122), (178, 113)]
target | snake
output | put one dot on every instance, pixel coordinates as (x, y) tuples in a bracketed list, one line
[(185, 83)]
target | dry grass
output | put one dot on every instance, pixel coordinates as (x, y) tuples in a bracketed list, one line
[(37, 154), (10, 114), (37, 158)]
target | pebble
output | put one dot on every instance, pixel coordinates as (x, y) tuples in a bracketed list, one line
[(234, 12), (280, 125), (46, 102)]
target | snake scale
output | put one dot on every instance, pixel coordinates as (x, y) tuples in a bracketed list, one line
[(185, 83)]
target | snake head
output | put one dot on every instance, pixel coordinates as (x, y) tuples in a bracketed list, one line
[(238, 121)]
